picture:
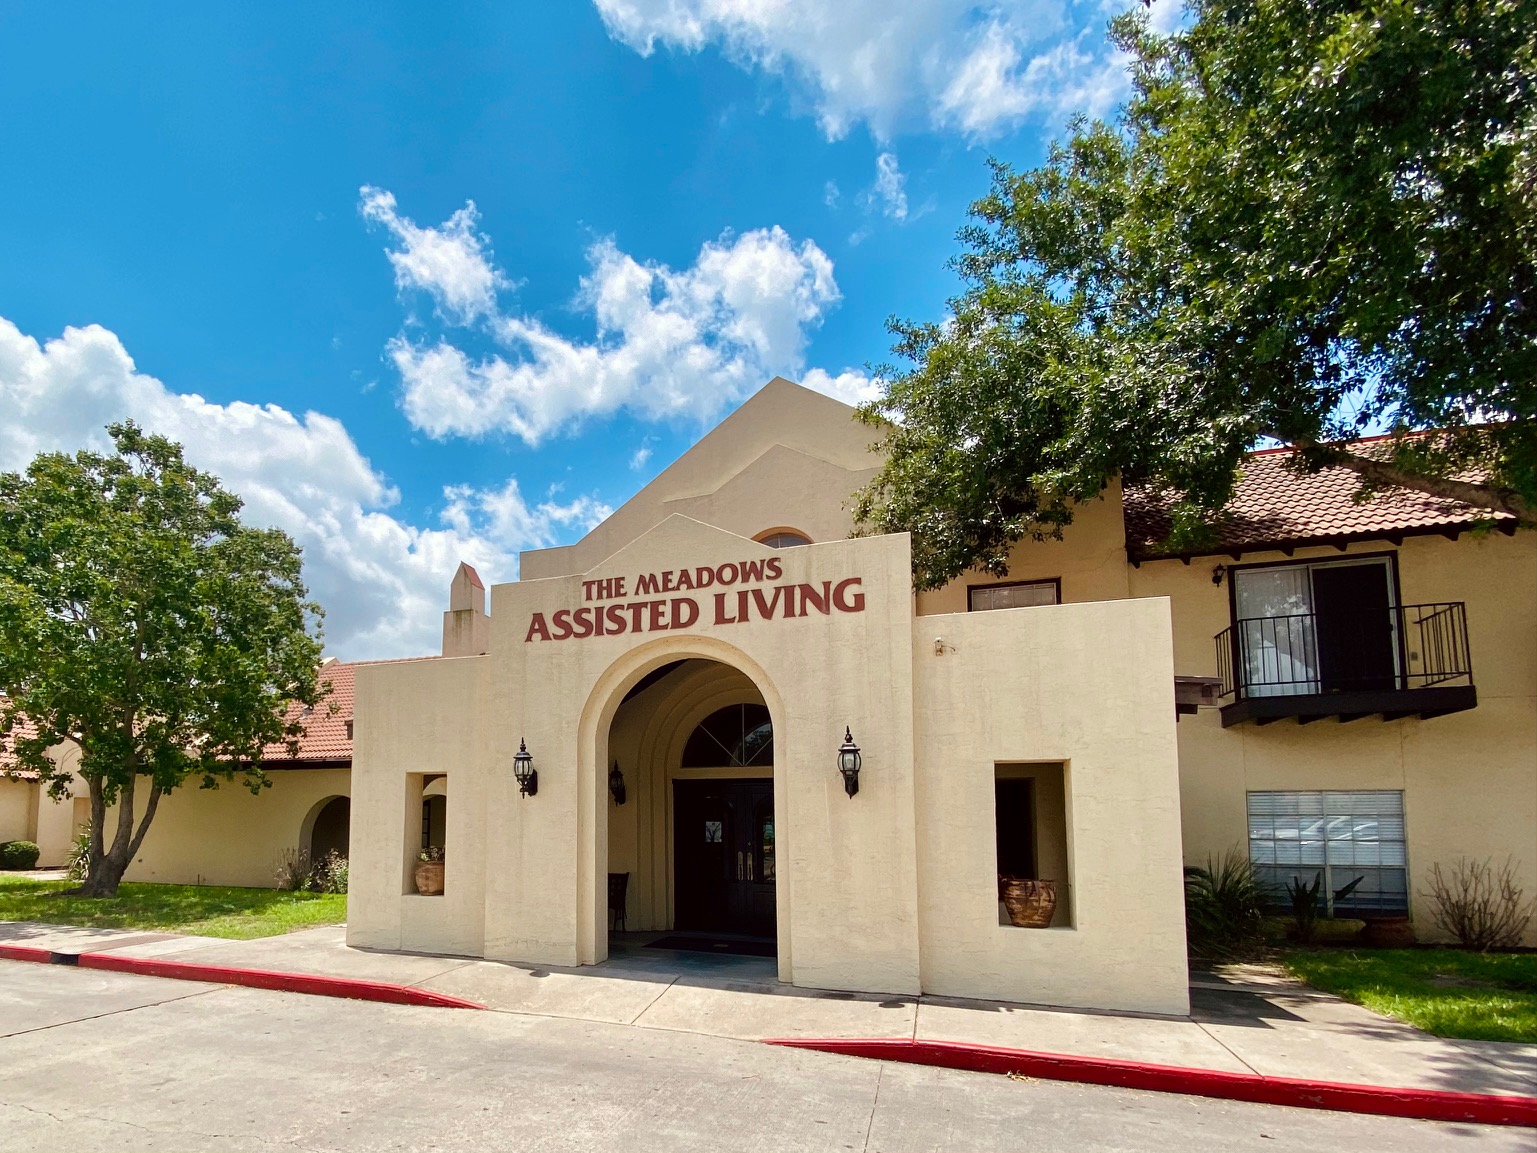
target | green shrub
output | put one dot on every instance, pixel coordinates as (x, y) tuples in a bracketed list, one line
[(79, 863), (1224, 904), (18, 855), (1304, 903), (329, 874)]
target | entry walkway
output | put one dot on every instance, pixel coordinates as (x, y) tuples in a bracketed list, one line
[(1245, 1019)]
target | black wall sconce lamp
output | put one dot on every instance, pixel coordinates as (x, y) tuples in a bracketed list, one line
[(523, 769), (616, 784), (1216, 574), (848, 762)]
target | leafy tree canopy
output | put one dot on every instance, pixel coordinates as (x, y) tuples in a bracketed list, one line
[(142, 621), (1310, 222)]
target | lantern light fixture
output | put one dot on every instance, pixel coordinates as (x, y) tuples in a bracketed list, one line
[(848, 762), (523, 769), (616, 784)]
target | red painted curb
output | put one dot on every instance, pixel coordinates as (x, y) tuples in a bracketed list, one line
[(315, 985), (1424, 1104), (24, 953)]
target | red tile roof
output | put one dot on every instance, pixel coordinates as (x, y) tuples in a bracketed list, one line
[(326, 740), (1277, 508), (327, 726), (21, 730)]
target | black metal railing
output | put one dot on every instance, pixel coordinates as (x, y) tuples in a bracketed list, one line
[(1399, 648)]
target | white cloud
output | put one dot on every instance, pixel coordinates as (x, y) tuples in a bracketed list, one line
[(452, 263), (957, 65), (639, 457), (890, 191), (383, 581), (668, 343), (831, 194)]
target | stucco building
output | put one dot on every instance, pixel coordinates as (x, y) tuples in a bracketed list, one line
[(1333, 688)]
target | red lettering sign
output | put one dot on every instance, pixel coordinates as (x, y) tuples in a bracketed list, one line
[(661, 614)]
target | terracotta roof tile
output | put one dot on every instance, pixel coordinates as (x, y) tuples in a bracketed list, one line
[(326, 738), (1277, 507), (21, 730)]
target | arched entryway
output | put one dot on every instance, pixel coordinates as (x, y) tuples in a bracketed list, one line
[(696, 846), (330, 827)]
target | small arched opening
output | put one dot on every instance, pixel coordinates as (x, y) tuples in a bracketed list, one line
[(782, 537), (330, 827)]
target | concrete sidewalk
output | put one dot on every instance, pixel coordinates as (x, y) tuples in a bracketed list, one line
[(1245, 1019)]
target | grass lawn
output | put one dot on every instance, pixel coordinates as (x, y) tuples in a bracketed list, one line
[(1448, 992), (205, 910)]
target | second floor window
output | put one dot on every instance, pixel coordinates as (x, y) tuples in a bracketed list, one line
[(1310, 628), (1015, 595)]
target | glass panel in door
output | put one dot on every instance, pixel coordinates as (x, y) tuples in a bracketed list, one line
[(1275, 631)]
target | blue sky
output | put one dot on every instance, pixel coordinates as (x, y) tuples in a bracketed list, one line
[(437, 281)]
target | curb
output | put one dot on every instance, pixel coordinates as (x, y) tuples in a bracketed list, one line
[(350, 988), (1422, 1104)]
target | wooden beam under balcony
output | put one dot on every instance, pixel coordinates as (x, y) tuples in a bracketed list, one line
[(1389, 704)]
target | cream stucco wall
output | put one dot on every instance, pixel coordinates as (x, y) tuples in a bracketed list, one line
[(1469, 779), (1090, 686), (18, 809), (1089, 560), (418, 718), (227, 836), (787, 458)]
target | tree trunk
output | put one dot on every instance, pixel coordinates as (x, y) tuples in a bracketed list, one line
[(107, 867)]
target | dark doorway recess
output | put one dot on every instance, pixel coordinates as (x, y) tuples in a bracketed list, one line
[(723, 856), (1355, 627), (1014, 818), (331, 829)]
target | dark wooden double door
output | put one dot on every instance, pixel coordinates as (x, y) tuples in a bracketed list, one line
[(723, 856)]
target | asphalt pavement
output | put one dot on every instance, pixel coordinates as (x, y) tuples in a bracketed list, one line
[(108, 1061)]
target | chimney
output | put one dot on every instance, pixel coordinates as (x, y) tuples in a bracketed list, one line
[(466, 627)]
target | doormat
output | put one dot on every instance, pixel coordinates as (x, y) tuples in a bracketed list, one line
[(687, 944)]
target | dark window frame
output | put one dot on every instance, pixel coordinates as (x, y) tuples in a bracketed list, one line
[(1390, 555), (1400, 642), (1055, 582)]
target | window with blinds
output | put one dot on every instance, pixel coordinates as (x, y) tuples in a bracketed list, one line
[(1341, 835), (1019, 595)]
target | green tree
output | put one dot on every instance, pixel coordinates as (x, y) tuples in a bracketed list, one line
[(141, 620), (1310, 221)]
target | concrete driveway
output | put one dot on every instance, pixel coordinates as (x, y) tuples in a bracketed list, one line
[(103, 1061)]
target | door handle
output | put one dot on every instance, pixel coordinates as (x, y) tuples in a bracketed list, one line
[(749, 866), (739, 864)]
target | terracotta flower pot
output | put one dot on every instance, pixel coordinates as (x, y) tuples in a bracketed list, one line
[(429, 878), (1030, 903)]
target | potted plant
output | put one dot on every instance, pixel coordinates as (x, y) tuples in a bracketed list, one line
[(1030, 903), (429, 871)]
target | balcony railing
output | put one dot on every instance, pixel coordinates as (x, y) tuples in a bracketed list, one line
[(1374, 657)]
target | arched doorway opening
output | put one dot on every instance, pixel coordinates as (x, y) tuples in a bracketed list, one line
[(330, 827), (694, 850)]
